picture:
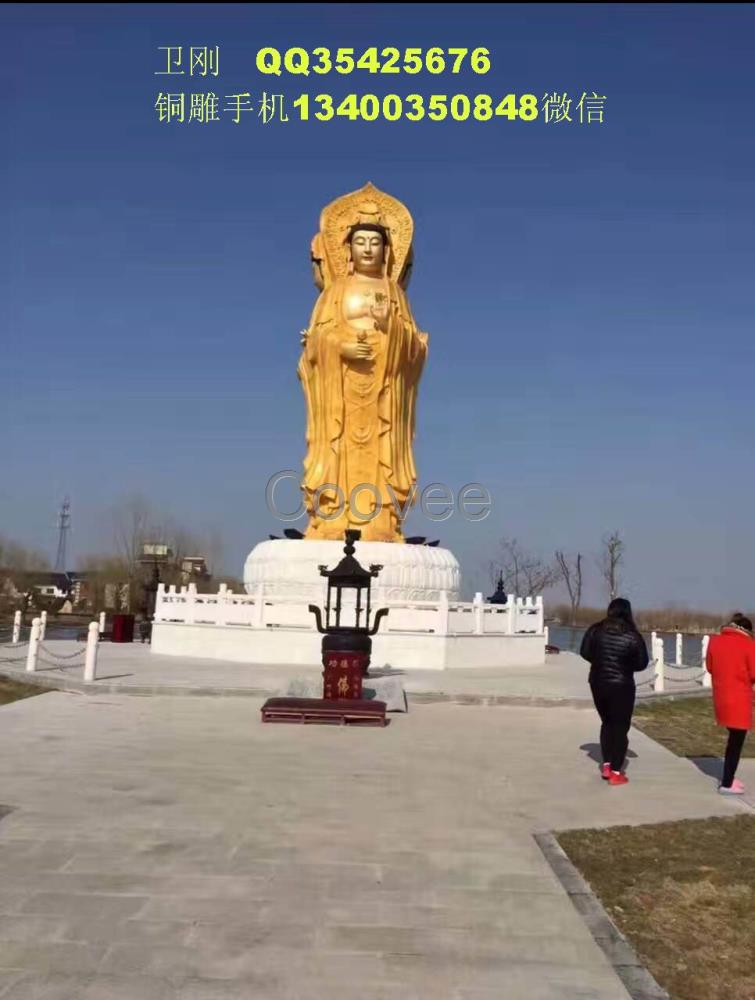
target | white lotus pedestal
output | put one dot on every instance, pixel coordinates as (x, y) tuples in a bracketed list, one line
[(427, 627)]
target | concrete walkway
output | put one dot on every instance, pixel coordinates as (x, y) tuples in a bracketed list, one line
[(134, 668), (177, 849)]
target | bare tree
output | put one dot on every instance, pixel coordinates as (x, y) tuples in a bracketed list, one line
[(184, 543), (523, 572), (571, 574), (213, 551), (106, 573), (18, 557), (180, 541), (134, 523), (610, 560)]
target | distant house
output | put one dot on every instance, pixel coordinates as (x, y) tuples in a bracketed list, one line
[(56, 586), (117, 596), (194, 570), (8, 590), (92, 590), (82, 586), (45, 589), (156, 552)]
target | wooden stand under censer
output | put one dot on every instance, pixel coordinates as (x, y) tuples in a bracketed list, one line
[(346, 650)]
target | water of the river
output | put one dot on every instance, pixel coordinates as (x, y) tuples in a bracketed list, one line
[(568, 638)]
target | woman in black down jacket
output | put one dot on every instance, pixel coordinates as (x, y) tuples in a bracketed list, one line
[(616, 652)]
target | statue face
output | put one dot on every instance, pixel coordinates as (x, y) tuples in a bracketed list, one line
[(367, 252)]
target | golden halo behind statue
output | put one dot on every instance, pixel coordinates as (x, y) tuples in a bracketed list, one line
[(368, 205)]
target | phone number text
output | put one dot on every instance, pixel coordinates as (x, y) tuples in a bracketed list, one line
[(415, 107), (301, 62)]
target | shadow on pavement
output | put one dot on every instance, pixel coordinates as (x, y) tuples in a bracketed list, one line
[(710, 766), (592, 750)]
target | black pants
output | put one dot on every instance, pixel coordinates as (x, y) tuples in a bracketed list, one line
[(733, 751), (615, 704)]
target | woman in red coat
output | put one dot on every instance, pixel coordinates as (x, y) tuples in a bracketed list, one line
[(731, 664)]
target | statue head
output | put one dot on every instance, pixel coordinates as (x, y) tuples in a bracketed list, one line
[(368, 242), (366, 210)]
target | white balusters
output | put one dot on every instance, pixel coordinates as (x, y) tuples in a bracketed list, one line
[(191, 603), (707, 679), (90, 661), (511, 605), (656, 646), (16, 628), (540, 626), (477, 609), (34, 640)]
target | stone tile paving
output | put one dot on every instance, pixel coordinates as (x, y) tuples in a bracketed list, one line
[(176, 849)]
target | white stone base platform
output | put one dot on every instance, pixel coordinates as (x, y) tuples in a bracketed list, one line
[(284, 568), (394, 650), (427, 627)]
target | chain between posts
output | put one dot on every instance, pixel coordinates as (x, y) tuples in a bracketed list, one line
[(60, 661), (698, 678), (61, 656), (646, 683), (686, 680), (58, 666)]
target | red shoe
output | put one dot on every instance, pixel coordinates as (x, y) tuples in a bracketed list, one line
[(605, 771), (617, 778)]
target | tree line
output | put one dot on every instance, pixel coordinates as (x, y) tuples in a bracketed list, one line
[(525, 573), (135, 523), (120, 572)]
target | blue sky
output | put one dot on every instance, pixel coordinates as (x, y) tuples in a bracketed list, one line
[(588, 290)]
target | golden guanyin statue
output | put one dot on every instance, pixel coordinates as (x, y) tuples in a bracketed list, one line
[(360, 367)]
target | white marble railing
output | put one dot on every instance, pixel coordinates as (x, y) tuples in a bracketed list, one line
[(663, 672), (264, 611)]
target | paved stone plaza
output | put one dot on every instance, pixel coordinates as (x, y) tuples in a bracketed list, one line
[(173, 848), (133, 667)]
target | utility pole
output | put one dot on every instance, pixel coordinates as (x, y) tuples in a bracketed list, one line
[(64, 525)]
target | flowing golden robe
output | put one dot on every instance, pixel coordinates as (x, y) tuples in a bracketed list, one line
[(360, 418)]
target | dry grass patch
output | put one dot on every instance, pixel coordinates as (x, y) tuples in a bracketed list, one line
[(684, 895), (15, 690), (686, 726)]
